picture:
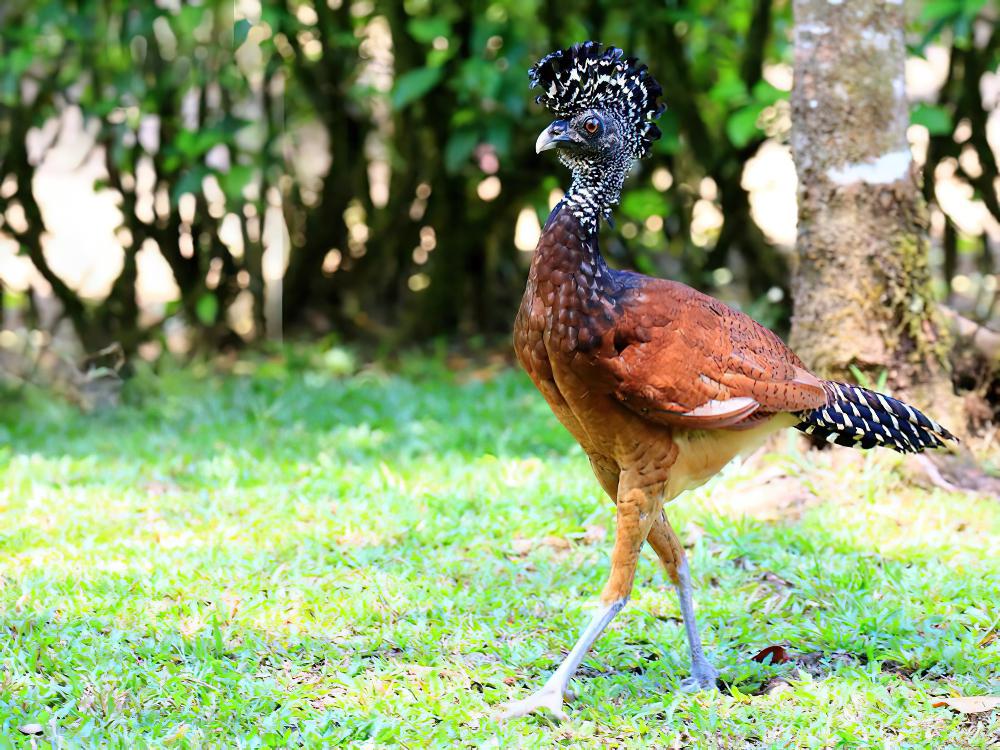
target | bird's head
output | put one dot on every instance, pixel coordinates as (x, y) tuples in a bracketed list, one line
[(604, 103)]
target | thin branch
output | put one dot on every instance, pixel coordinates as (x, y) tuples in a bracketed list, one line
[(981, 339), (752, 66)]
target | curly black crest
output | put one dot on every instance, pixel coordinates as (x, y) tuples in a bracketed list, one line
[(587, 76)]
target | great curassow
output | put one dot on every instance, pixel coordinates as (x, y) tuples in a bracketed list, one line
[(660, 384)]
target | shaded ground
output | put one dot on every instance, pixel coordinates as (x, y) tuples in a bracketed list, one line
[(284, 557)]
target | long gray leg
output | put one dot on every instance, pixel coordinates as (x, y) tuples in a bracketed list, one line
[(550, 696), (668, 548), (703, 674), (637, 508)]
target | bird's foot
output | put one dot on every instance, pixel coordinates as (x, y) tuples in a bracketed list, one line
[(703, 677), (547, 699)]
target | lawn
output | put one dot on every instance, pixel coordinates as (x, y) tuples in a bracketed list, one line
[(283, 555)]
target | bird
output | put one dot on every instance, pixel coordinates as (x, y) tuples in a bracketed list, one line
[(659, 383)]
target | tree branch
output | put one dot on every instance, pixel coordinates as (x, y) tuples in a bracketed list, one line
[(978, 337), (752, 66)]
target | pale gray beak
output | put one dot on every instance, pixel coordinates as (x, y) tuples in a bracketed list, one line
[(555, 135)]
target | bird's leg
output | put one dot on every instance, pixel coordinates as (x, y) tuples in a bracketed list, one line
[(636, 511), (550, 696), (668, 548), (703, 674)]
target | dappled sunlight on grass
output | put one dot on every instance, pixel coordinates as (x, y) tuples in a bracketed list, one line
[(303, 559)]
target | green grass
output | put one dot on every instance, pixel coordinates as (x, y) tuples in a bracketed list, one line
[(287, 558)]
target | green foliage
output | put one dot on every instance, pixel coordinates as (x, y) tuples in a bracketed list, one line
[(936, 119), (160, 89), (413, 84), (958, 16), (741, 127), (411, 98), (641, 204), (289, 557), (865, 382), (207, 309)]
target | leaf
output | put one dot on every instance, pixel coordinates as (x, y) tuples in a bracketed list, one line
[(975, 704), (426, 30), (195, 143), (207, 308), (765, 94), (670, 140), (556, 542), (499, 133), (773, 579), (413, 84), (460, 146), (190, 182), (771, 655), (339, 362), (240, 31), (641, 204), (729, 89), (233, 181), (950, 10), (741, 127), (230, 124), (479, 78), (522, 547), (738, 695), (936, 119), (187, 20)]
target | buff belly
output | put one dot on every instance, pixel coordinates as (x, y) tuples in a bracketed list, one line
[(702, 454)]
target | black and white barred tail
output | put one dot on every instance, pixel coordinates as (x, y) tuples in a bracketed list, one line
[(860, 418)]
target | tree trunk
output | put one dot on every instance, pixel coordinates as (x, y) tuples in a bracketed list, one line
[(862, 286)]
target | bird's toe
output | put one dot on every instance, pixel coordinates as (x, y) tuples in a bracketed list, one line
[(703, 677), (546, 702)]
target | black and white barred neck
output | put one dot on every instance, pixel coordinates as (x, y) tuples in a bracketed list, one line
[(586, 77), (596, 188), (860, 418)]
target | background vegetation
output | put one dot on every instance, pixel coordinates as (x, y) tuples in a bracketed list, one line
[(286, 548), (383, 151), (286, 556)]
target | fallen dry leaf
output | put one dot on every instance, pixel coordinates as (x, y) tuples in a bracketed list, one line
[(776, 685), (179, 733), (157, 488), (594, 534), (781, 498), (774, 579), (974, 704), (522, 546), (778, 655), (556, 542), (693, 533)]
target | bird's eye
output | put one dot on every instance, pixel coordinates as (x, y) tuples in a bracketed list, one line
[(591, 125)]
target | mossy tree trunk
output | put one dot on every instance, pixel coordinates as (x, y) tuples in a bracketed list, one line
[(862, 286)]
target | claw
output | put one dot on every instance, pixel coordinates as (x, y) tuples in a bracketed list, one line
[(550, 701), (703, 677)]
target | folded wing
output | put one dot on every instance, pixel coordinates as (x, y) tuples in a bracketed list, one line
[(682, 358)]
